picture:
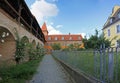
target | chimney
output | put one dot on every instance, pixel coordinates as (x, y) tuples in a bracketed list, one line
[(69, 33)]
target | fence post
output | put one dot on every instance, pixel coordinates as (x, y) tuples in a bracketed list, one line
[(116, 67), (101, 64), (104, 62), (95, 62), (110, 65)]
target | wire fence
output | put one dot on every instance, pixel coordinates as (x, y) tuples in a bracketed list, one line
[(103, 63)]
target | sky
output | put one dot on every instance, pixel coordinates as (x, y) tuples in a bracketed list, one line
[(72, 16)]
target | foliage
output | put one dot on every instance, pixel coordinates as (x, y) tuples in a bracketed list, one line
[(74, 47), (56, 46), (25, 50), (19, 48), (35, 53), (71, 47), (19, 54), (19, 73), (95, 41)]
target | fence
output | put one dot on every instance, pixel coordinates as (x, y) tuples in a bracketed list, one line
[(107, 64), (103, 63)]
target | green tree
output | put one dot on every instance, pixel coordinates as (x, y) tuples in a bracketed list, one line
[(56, 46), (95, 41), (71, 47)]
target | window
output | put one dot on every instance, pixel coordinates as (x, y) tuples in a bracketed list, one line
[(49, 38), (118, 43), (119, 15), (108, 32), (79, 38), (70, 38), (62, 38), (55, 38), (118, 28), (111, 20)]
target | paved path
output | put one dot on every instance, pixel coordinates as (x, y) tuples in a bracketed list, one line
[(49, 71)]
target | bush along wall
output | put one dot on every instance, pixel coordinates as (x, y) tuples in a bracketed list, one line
[(26, 51)]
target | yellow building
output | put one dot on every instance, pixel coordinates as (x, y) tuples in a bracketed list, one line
[(111, 28)]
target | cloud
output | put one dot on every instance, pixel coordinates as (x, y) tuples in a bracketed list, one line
[(59, 26), (52, 30), (42, 9), (83, 34)]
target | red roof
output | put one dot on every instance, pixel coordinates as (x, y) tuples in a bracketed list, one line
[(44, 27), (75, 37)]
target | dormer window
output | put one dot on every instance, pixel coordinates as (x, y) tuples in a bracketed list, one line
[(111, 20), (119, 15), (56, 38), (79, 38), (62, 38), (70, 38)]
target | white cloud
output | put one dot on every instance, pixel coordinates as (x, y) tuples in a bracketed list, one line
[(42, 9), (59, 26), (52, 30), (83, 34)]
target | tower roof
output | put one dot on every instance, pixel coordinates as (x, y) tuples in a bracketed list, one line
[(44, 27)]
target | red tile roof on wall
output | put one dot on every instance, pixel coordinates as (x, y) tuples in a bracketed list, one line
[(75, 37)]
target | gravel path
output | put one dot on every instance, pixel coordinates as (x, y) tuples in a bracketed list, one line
[(49, 71)]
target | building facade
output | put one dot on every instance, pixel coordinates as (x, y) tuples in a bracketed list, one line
[(111, 28), (62, 39)]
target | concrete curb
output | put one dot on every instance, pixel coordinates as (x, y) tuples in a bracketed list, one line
[(77, 75)]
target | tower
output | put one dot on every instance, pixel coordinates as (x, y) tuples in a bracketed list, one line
[(44, 29)]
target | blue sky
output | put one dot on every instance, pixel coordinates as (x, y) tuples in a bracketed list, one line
[(72, 16)]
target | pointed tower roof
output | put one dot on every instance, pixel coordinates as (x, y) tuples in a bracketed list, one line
[(44, 27)]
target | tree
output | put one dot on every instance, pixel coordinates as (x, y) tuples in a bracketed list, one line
[(95, 41), (71, 47), (56, 46)]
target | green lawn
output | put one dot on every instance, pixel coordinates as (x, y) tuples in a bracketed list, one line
[(84, 61), (18, 73)]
